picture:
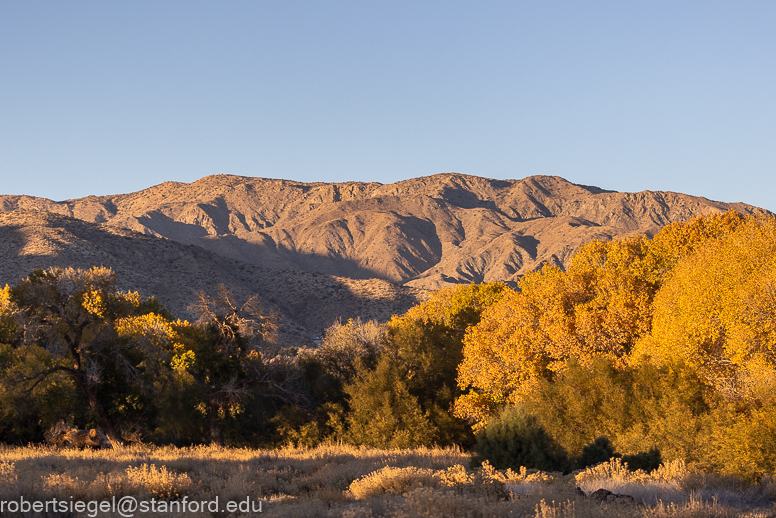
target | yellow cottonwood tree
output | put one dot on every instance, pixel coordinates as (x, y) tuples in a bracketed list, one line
[(9, 331), (596, 309), (599, 308), (717, 311)]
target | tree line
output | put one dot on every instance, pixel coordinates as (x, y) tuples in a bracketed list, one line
[(661, 344)]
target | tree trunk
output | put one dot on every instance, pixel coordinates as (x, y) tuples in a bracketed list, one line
[(107, 424), (216, 426)]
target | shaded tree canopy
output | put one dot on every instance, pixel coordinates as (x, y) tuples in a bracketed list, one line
[(109, 343)]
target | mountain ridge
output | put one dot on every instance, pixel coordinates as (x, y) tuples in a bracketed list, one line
[(424, 232)]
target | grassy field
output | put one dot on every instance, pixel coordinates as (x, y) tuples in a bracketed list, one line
[(352, 482)]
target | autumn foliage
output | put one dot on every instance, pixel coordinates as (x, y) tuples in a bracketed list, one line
[(660, 344), (600, 308), (646, 347)]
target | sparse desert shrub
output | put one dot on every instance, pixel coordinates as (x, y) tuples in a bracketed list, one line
[(699, 508), (7, 472), (565, 509), (67, 484), (665, 483), (614, 469), (671, 471), (516, 439), (485, 483), (294, 482), (528, 476), (159, 481), (525, 481), (456, 477), (430, 502), (393, 481)]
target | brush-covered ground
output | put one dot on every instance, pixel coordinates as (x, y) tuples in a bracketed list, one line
[(336, 480)]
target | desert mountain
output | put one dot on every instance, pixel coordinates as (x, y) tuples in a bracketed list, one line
[(424, 233), (306, 302)]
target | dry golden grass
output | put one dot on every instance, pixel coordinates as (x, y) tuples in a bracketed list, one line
[(332, 481)]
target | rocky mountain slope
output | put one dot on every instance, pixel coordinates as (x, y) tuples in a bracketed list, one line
[(306, 302), (424, 233)]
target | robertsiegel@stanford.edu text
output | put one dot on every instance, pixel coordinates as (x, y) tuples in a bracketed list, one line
[(128, 506)]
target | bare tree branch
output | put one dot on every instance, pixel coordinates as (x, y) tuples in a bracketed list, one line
[(41, 376)]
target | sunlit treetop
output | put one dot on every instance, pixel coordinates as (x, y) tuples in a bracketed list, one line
[(601, 307)]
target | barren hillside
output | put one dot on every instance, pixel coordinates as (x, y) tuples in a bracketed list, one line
[(425, 232), (306, 302)]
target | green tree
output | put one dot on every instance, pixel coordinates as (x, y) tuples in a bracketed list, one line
[(384, 414), (423, 348), (26, 414), (346, 350), (109, 344), (638, 408), (228, 354)]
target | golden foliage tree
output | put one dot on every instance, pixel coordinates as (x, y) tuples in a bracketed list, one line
[(598, 309), (717, 311)]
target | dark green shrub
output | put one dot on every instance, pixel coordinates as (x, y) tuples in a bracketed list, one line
[(602, 449), (515, 439), (598, 451), (646, 460), (582, 403), (383, 413), (636, 407)]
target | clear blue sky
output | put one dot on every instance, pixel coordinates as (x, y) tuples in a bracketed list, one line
[(111, 97)]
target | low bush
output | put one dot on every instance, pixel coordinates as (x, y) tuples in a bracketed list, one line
[(646, 461), (598, 451), (393, 481), (515, 439), (160, 482), (602, 450)]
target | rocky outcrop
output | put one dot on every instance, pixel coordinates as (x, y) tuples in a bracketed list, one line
[(604, 495)]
